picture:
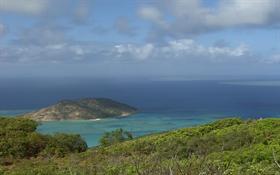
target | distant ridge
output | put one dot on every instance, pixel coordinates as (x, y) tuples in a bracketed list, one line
[(83, 109)]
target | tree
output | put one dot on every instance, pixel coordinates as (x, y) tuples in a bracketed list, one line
[(117, 136), (19, 139)]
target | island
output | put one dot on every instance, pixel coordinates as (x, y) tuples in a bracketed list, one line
[(82, 109)]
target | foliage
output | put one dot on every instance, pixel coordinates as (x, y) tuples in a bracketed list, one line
[(224, 147), (62, 144), (19, 139), (113, 137)]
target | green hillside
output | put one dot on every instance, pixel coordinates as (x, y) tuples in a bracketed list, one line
[(229, 146)]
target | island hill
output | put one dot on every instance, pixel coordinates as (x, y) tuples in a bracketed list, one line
[(83, 109)]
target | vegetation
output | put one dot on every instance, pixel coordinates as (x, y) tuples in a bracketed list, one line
[(19, 139), (113, 137), (224, 147)]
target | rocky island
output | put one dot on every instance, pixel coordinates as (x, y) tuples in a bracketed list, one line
[(83, 109)]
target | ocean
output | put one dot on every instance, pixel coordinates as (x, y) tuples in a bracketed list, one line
[(163, 105)]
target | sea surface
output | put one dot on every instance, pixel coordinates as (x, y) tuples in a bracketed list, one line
[(163, 105)]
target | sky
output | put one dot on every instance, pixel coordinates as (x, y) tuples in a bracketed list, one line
[(158, 39)]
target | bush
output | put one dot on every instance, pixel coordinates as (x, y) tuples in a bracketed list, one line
[(227, 147), (18, 139), (117, 136), (62, 144), (17, 124)]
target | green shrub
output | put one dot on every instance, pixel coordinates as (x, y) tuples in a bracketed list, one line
[(117, 136), (19, 139), (224, 147), (17, 124), (62, 144)]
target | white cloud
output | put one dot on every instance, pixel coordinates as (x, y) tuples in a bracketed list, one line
[(77, 11), (132, 51), (69, 51), (183, 49), (244, 12), (192, 17), (56, 46), (32, 7), (152, 14), (52, 53), (234, 52), (188, 47)]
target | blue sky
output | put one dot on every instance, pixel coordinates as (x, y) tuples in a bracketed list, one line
[(139, 38)]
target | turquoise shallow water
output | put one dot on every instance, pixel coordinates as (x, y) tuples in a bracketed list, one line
[(139, 124)]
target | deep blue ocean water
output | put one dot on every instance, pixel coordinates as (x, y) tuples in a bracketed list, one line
[(163, 105)]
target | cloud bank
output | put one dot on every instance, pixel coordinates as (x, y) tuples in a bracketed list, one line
[(31, 7), (79, 33), (191, 17), (183, 49)]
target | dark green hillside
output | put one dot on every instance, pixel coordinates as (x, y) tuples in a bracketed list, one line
[(229, 146)]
